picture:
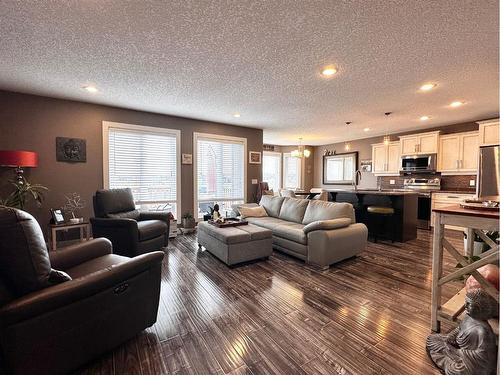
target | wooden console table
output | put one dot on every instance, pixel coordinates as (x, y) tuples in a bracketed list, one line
[(54, 228), (475, 221)]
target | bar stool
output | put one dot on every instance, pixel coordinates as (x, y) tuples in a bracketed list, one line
[(379, 218)]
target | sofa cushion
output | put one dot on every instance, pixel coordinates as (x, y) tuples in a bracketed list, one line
[(236, 207), (149, 229), (112, 201), (24, 260), (320, 210), (258, 211), (327, 224), (266, 222), (292, 232), (293, 209), (271, 204)]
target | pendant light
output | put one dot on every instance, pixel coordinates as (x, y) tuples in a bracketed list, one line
[(387, 139), (301, 151)]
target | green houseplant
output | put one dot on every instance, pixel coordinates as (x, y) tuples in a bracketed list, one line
[(23, 190)]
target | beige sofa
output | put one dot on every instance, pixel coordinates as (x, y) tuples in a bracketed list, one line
[(318, 232)]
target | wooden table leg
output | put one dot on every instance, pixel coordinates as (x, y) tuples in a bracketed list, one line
[(53, 238), (437, 262), (87, 232), (469, 250), (81, 234)]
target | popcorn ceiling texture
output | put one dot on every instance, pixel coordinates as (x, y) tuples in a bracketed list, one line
[(209, 59)]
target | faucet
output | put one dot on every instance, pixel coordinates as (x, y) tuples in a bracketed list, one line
[(355, 178)]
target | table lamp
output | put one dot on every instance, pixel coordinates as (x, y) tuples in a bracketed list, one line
[(18, 160)]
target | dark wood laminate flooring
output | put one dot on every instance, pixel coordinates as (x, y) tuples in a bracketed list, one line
[(368, 315)]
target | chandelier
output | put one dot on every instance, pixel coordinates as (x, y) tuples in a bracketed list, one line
[(301, 151)]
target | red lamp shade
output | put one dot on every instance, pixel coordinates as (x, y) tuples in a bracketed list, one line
[(18, 158)]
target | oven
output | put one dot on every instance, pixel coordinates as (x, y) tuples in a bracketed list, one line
[(418, 164), (424, 211), (423, 187)]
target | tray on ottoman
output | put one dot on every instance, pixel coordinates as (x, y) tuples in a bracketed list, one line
[(229, 222)]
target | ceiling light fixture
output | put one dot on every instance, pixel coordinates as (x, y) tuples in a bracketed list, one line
[(427, 86), (90, 88), (348, 122), (347, 146), (424, 118), (366, 129), (456, 104), (328, 71), (301, 151), (387, 138), (237, 115)]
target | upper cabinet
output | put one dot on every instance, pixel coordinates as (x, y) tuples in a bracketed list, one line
[(458, 153), (489, 132), (386, 158), (419, 144)]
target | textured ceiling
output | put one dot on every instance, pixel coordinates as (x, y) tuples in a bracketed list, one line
[(209, 59)]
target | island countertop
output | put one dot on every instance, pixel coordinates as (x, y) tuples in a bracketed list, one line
[(372, 191)]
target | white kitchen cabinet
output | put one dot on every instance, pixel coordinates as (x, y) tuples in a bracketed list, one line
[(419, 144), (386, 159), (440, 200), (458, 153), (489, 132)]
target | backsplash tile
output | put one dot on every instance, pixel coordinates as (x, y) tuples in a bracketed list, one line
[(453, 183)]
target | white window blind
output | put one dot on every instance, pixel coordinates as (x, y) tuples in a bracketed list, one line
[(220, 172), (292, 169), (271, 170), (145, 161)]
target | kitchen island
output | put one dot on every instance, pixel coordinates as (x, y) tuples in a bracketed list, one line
[(403, 202)]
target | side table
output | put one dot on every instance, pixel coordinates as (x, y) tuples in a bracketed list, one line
[(54, 228)]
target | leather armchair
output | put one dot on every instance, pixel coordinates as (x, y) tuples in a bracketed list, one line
[(131, 231), (103, 300)]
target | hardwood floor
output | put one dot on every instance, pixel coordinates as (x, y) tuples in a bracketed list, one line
[(368, 315)]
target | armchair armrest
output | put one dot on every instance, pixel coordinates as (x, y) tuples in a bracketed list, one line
[(129, 224), (74, 255), (327, 224), (156, 215), (52, 298)]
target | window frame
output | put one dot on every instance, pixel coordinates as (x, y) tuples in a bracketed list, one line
[(216, 137), (281, 174), (284, 168), (106, 125)]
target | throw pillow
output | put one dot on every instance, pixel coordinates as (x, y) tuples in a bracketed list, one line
[(258, 211)]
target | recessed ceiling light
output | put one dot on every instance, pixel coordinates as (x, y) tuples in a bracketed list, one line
[(424, 118), (328, 71), (456, 104), (366, 129), (427, 86), (236, 115), (90, 88)]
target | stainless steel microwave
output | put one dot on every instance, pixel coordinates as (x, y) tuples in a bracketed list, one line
[(418, 164)]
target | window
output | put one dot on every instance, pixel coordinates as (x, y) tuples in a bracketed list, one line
[(271, 169), (220, 172), (292, 170), (145, 159)]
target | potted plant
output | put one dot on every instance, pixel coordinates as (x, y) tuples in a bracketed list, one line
[(188, 222), (74, 203), (22, 191)]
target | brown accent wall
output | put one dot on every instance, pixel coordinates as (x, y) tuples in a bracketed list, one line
[(363, 146), (29, 122)]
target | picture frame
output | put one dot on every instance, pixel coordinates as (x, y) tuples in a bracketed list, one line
[(187, 158), (255, 157), (57, 216), (365, 166), (71, 150)]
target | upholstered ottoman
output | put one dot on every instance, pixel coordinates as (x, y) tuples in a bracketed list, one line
[(235, 245)]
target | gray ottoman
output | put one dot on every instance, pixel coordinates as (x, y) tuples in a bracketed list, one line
[(235, 245)]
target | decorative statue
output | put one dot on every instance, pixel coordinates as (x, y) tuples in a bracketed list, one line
[(215, 213), (470, 349)]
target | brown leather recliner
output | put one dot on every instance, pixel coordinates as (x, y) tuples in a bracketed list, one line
[(131, 231), (61, 309)]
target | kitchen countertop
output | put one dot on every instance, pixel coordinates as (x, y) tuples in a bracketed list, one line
[(455, 191), (373, 191)]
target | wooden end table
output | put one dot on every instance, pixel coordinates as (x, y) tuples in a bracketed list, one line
[(54, 228)]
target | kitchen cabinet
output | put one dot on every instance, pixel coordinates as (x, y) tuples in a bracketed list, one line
[(489, 132), (458, 153), (386, 159), (419, 144), (443, 199)]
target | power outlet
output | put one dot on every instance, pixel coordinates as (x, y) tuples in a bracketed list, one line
[(472, 182), (392, 182)]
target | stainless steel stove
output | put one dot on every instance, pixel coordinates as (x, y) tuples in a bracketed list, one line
[(424, 187)]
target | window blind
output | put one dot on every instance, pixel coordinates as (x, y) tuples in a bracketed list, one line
[(271, 170), (144, 161), (220, 170)]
